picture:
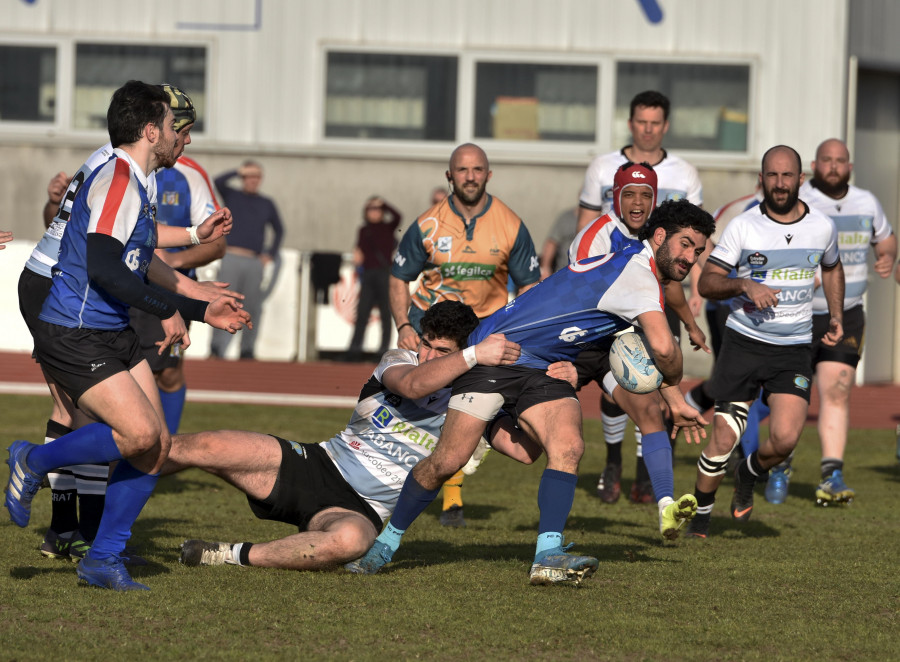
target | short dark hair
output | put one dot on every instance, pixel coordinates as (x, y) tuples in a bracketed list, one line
[(650, 99), (675, 215), (762, 164), (132, 107), (451, 320)]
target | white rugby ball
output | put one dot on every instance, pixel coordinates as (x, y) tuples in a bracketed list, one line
[(631, 362)]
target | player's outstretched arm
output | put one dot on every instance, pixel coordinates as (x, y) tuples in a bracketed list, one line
[(418, 381), (216, 226), (6, 236)]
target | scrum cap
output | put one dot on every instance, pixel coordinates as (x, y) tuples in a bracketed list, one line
[(182, 106), (633, 174)]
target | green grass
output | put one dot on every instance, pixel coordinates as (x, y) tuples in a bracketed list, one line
[(796, 582)]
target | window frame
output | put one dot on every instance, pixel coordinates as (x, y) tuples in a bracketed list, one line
[(66, 50)]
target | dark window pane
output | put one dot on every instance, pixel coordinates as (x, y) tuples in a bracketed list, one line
[(100, 69), (406, 97), (27, 83), (535, 102), (710, 103)]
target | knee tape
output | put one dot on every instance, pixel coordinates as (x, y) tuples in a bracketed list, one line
[(712, 466), (735, 414)]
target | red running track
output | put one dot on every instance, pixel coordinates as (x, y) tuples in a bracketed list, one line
[(871, 407)]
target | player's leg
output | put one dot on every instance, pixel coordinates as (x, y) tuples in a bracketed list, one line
[(335, 536), (556, 425), (646, 411), (834, 380), (172, 393), (247, 460)]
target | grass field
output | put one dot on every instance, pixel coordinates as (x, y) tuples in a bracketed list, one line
[(795, 583)]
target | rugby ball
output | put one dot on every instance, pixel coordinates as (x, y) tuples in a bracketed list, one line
[(631, 363)]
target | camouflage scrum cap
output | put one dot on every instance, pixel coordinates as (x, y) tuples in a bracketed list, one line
[(182, 106)]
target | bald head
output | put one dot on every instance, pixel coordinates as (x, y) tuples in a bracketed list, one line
[(469, 173), (468, 150), (781, 150), (832, 167), (833, 147)]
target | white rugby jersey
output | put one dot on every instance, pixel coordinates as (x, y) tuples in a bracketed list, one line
[(46, 253), (783, 256), (603, 235), (676, 179), (860, 222), (386, 436)]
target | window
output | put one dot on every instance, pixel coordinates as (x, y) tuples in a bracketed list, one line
[(100, 69), (709, 102), (407, 97), (27, 83), (535, 101)]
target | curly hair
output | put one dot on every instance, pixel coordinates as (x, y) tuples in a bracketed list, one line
[(452, 320), (675, 215)]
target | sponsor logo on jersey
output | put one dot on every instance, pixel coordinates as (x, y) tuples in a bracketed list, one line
[(757, 259), (169, 198), (468, 270), (408, 432), (791, 296), (788, 238), (444, 244), (382, 417), (814, 258), (534, 264), (801, 382), (399, 259), (674, 195), (393, 399), (792, 274), (469, 249), (95, 366), (854, 238), (758, 275), (571, 334)]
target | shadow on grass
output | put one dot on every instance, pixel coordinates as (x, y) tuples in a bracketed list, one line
[(66, 567), (892, 472)]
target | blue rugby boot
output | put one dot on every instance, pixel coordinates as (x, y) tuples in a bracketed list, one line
[(372, 561), (558, 567), (23, 483), (108, 573)]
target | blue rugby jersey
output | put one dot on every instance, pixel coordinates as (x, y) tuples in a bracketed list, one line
[(579, 307), (114, 201)]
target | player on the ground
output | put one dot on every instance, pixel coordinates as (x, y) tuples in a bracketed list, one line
[(465, 248), (861, 224), (634, 198), (648, 123), (84, 343), (339, 492), (776, 248), (578, 308)]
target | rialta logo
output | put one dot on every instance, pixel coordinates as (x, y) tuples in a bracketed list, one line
[(571, 334)]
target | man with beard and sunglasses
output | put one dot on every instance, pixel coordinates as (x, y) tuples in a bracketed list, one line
[(579, 308), (860, 223), (466, 248), (776, 248)]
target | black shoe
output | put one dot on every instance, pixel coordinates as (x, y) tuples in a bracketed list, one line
[(742, 501)]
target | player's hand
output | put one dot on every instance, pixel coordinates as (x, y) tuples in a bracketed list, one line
[(761, 295), (176, 332), (407, 338), (5, 237), (683, 415), (884, 265), (695, 304), (497, 350), (565, 371), (227, 314), (697, 338), (210, 290), (216, 226), (57, 187), (835, 332)]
